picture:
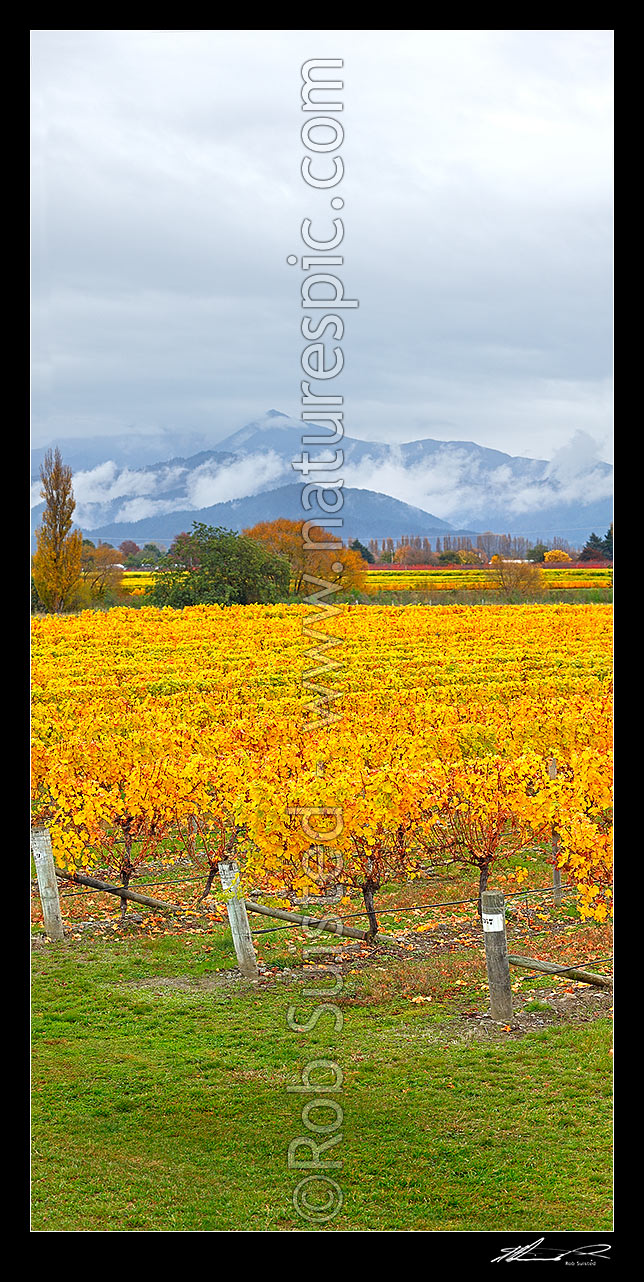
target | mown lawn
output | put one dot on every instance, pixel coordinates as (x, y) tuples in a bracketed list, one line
[(161, 1107)]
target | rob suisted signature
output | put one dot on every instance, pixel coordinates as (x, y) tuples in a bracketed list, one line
[(535, 1251)]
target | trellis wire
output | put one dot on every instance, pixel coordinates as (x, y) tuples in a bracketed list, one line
[(446, 903)]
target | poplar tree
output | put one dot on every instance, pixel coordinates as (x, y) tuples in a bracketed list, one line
[(56, 566)]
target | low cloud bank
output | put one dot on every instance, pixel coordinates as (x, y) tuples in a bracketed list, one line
[(454, 483)]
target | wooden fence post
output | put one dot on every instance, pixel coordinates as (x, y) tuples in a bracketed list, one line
[(47, 882), (238, 918), (556, 872), (496, 955)]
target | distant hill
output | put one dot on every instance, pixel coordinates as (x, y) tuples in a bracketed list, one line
[(366, 515)]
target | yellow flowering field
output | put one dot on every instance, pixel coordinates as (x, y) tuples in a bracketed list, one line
[(458, 579), (412, 734), (473, 578)]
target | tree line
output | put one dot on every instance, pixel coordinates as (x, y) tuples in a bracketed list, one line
[(461, 550), (266, 563)]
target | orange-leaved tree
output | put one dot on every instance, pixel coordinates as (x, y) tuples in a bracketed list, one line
[(311, 551), (102, 569)]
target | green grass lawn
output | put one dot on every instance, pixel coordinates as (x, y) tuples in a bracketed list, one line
[(161, 1108)]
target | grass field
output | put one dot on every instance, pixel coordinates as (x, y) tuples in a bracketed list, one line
[(160, 1077)]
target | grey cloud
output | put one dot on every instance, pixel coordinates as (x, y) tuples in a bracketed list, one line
[(210, 484), (167, 194)]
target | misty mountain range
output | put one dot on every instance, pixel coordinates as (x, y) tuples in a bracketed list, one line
[(424, 487)]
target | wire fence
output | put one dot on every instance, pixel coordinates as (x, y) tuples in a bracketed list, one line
[(383, 912), (409, 908)]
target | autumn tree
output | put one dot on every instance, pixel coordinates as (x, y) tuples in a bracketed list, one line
[(129, 550), (56, 566), (515, 578), (556, 555), (314, 552), (284, 538), (353, 572), (405, 554), (102, 570)]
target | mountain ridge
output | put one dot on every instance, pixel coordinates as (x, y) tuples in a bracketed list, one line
[(363, 512), (463, 485)]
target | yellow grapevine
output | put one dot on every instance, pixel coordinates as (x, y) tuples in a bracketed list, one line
[(143, 719)]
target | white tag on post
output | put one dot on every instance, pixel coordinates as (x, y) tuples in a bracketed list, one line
[(492, 921)]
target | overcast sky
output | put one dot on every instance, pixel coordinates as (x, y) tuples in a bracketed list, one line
[(167, 196)]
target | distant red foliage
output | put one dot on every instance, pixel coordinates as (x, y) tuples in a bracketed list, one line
[(551, 565)]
